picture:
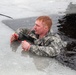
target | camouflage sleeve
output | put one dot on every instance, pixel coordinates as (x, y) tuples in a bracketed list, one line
[(51, 50), (44, 51), (21, 32)]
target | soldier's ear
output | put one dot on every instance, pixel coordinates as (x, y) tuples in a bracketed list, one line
[(46, 27)]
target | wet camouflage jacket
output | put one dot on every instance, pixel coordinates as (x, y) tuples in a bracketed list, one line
[(50, 45)]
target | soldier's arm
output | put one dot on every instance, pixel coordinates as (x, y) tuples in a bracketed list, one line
[(44, 51), (53, 49), (21, 32)]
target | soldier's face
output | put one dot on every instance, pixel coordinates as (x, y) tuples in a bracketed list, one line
[(39, 27)]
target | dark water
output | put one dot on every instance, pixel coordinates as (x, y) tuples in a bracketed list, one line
[(67, 31), (67, 28), (29, 22), (68, 25)]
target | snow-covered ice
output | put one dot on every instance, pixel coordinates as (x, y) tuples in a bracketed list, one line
[(24, 63)]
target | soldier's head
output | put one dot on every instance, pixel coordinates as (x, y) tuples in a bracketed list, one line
[(42, 25)]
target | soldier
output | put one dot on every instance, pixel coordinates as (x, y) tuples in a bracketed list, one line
[(44, 42)]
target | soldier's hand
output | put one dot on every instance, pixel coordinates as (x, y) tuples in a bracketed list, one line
[(13, 37), (25, 45)]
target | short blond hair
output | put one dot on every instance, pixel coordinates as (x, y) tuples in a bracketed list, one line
[(45, 19)]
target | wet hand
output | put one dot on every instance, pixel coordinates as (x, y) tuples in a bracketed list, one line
[(25, 45), (13, 37)]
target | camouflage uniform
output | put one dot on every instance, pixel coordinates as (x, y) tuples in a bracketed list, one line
[(49, 45)]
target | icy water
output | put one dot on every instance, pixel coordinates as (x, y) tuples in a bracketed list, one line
[(14, 61)]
